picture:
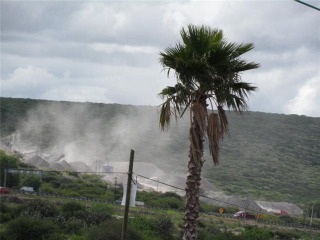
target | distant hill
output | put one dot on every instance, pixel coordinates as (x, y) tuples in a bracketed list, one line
[(265, 156)]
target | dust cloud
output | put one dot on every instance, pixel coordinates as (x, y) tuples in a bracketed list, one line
[(86, 132)]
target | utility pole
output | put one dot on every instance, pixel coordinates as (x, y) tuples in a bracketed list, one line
[(306, 217), (115, 189), (126, 210), (5, 178), (311, 214)]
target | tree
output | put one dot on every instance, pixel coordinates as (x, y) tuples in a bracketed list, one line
[(207, 69), (32, 181), (7, 162)]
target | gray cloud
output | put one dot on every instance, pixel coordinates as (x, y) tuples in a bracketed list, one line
[(108, 51)]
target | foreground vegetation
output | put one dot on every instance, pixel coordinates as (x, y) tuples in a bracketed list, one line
[(27, 216), (58, 220)]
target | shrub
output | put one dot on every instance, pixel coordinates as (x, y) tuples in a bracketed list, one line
[(32, 181), (286, 218), (72, 209), (98, 214), (208, 233), (226, 236), (5, 217), (96, 217), (58, 236), (145, 225), (255, 233), (30, 228), (164, 227), (286, 235), (171, 194), (5, 213), (8, 161), (111, 230), (4, 207), (40, 208), (74, 225)]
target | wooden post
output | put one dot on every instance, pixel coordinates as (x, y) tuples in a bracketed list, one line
[(126, 210), (5, 178)]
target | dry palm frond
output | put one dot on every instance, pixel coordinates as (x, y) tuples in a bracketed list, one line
[(200, 116), (214, 136), (223, 122), (165, 115), (196, 144)]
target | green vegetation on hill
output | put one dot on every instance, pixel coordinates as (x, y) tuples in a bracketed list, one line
[(265, 156), (270, 156)]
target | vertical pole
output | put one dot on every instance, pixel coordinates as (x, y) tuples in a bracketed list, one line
[(115, 189), (311, 214), (306, 217), (5, 177), (126, 210)]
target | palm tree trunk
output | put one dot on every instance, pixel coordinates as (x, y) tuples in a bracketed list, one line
[(193, 186)]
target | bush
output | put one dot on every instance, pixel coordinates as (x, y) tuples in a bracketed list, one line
[(5, 217), (286, 219), (32, 181), (111, 230), (94, 218), (58, 236), (226, 236), (255, 233), (98, 214), (40, 208), (285, 235), (208, 232), (74, 225), (167, 200), (164, 227), (72, 209), (145, 225), (8, 161), (30, 228), (5, 214)]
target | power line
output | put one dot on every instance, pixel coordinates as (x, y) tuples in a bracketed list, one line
[(17, 170), (163, 183), (214, 199), (185, 190), (307, 4)]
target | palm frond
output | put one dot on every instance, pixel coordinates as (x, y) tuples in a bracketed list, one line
[(223, 122), (213, 133), (241, 66), (242, 49), (196, 144), (236, 103), (199, 113), (165, 115)]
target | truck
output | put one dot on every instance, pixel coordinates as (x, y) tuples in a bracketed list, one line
[(26, 189), (243, 214)]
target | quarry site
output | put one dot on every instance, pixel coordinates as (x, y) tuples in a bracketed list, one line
[(148, 177)]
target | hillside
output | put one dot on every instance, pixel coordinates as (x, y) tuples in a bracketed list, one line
[(265, 156)]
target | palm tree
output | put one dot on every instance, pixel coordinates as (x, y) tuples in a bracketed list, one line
[(207, 70)]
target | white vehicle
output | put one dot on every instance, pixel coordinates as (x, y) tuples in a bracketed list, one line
[(26, 189)]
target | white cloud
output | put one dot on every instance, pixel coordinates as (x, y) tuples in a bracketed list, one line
[(114, 48), (307, 100), (28, 80), (78, 94), (98, 18)]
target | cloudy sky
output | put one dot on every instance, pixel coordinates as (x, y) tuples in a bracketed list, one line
[(108, 51)]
